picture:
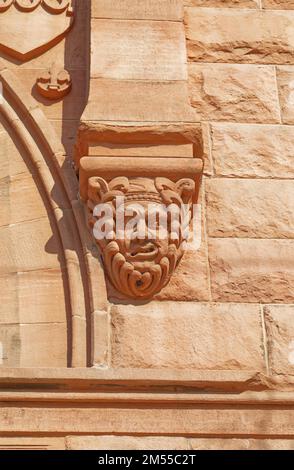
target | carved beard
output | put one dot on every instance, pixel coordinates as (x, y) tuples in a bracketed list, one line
[(143, 283), (136, 268)]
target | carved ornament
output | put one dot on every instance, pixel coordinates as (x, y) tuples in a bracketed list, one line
[(24, 38), (139, 266), (55, 83)]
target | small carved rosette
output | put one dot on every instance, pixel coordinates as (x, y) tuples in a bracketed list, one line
[(141, 226)]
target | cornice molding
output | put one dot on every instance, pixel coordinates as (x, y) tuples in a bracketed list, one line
[(63, 402)]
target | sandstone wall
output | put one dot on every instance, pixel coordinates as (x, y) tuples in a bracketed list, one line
[(36, 305), (240, 285), (226, 68)]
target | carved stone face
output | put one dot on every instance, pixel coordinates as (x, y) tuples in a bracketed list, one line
[(148, 250), (140, 251)]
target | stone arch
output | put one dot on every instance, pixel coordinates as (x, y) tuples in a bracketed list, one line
[(59, 188)]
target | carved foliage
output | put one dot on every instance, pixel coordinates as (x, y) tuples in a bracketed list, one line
[(139, 268)]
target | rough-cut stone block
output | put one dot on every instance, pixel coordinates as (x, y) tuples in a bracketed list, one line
[(250, 208), (240, 36), (187, 335), (139, 100), (278, 4), (126, 443), (138, 50), (47, 304), (184, 284), (261, 151), (252, 270), (285, 77), (139, 9), (279, 321), (28, 246), (222, 3), (237, 93)]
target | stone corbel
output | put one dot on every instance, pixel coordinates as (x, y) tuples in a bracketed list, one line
[(139, 268)]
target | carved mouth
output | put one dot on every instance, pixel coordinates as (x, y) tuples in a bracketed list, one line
[(145, 252)]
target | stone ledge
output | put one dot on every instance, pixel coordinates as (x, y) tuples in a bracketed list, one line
[(62, 402), (131, 379)]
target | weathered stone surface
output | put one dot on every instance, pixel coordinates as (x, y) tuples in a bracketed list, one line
[(250, 208), (187, 335), (242, 444), (43, 345), (139, 50), (10, 345), (47, 305), (33, 345), (236, 93), (251, 270), (126, 443), (278, 4), (20, 200), (173, 443), (159, 420), (285, 77), (28, 246), (139, 9), (184, 285), (139, 101), (279, 321), (222, 3), (11, 160), (142, 150), (216, 36), (262, 151)]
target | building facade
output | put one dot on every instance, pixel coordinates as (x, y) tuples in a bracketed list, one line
[(123, 343)]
